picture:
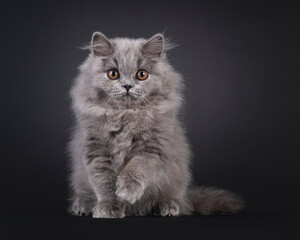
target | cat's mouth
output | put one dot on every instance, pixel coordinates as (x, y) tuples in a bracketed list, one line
[(126, 95), (130, 95)]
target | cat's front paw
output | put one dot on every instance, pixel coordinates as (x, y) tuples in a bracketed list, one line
[(113, 209), (82, 206), (169, 208), (128, 189)]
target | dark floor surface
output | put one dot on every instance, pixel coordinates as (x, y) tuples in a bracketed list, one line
[(247, 225)]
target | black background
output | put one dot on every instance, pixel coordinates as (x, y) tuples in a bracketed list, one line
[(240, 62)]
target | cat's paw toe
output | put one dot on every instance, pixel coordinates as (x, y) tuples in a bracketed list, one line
[(82, 206), (170, 209), (129, 191), (114, 209)]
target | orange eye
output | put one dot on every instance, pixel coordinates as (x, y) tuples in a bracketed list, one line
[(142, 75), (113, 74)]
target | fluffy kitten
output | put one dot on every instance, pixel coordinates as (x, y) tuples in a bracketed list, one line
[(129, 151)]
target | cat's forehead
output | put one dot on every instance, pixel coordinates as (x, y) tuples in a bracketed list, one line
[(127, 51), (128, 44)]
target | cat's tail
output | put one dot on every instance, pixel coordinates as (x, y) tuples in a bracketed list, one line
[(210, 200)]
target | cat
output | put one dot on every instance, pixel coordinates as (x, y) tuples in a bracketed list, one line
[(129, 152)]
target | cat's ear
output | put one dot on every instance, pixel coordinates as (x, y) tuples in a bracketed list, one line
[(100, 45), (154, 47)]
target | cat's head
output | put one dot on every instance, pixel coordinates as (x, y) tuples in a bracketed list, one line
[(123, 70)]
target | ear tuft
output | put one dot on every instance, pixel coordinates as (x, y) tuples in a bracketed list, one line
[(101, 46)]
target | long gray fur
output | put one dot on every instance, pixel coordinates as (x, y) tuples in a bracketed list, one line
[(129, 153)]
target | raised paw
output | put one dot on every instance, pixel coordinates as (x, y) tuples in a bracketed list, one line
[(129, 189), (82, 206), (169, 208), (113, 209)]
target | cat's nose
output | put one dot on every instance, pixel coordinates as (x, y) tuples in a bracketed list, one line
[(127, 87)]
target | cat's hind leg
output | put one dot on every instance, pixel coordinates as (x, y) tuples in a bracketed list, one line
[(83, 198), (169, 208)]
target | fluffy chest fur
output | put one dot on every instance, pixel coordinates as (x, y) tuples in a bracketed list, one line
[(127, 123), (124, 133)]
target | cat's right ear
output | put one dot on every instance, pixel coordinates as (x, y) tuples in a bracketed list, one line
[(101, 46)]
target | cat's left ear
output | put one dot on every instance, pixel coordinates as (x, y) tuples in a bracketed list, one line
[(154, 47)]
